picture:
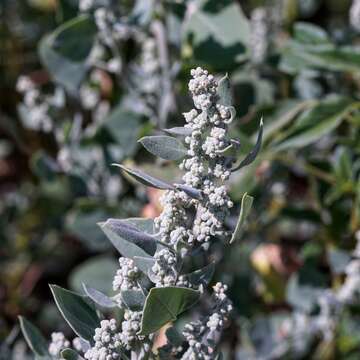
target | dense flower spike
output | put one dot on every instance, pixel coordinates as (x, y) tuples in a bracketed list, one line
[(206, 172), (107, 342)]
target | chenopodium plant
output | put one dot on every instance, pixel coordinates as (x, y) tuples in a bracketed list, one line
[(151, 286)]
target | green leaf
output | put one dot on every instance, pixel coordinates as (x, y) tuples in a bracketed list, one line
[(70, 354), (34, 338), (76, 311), (246, 203), (219, 33), (310, 34), (124, 127), (165, 147), (75, 38), (133, 299), (96, 272), (98, 297), (193, 193), (62, 70), (254, 152), (224, 91), (317, 122), (82, 223), (164, 304), (179, 130), (146, 179), (128, 239)]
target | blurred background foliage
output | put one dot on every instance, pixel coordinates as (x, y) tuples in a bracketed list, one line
[(88, 96)]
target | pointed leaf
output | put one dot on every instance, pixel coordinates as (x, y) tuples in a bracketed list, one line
[(75, 38), (98, 297), (70, 354), (179, 130), (193, 193), (146, 179), (76, 311), (133, 299), (128, 239), (253, 153), (246, 203), (164, 304), (165, 147), (63, 71), (34, 338), (224, 91)]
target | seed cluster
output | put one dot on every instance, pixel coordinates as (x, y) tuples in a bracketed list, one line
[(199, 334), (58, 343), (107, 342)]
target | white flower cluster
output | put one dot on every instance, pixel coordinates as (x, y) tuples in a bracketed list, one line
[(127, 276), (200, 336), (164, 270), (34, 111), (206, 168), (130, 327), (355, 15), (107, 342), (58, 343)]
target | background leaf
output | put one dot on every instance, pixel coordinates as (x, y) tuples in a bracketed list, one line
[(34, 338), (164, 305), (77, 312), (165, 147)]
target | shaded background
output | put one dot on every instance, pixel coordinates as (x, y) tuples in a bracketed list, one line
[(56, 182)]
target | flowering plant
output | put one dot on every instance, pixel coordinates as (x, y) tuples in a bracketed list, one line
[(152, 284)]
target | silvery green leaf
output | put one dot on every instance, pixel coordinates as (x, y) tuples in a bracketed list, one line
[(246, 203), (81, 317), (202, 276), (144, 263), (179, 130), (253, 153), (75, 38), (142, 224), (98, 297), (224, 91), (164, 304), (96, 272), (63, 71), (194, 193), (165, 147), (219, 33), (146, 179), (34, 338), (123, 126), (70, 354), (133, 299), (128, 239)]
